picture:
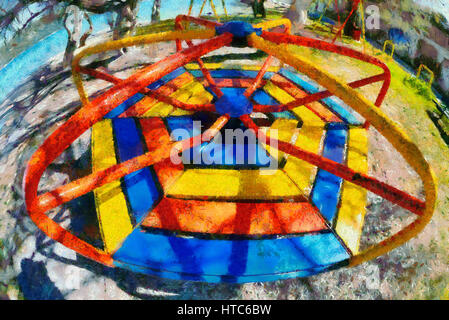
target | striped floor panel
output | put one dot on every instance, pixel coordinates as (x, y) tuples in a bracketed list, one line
[(227, 222)]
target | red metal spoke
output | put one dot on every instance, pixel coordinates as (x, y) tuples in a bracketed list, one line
[(355, 4), (382, 189), (199, 21), (82, 120), (314, 97), (91, 113), (77, 188), (208, 76), (206, 73), (249, 92), (161, 97)]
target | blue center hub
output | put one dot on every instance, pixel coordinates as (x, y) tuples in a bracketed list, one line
[(239, 29), (234, 105)]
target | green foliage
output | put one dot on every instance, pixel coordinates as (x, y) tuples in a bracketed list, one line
[(419, 86)]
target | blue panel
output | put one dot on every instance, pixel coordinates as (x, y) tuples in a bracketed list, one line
[(138, 96), (326, 190), (261, 97), (284, 115), (193, 155), (229, 73), (331, 102), (235, 155), (186, 122), (182, 122), (141, 186), (169, 77), (229, 260), (124, 106)]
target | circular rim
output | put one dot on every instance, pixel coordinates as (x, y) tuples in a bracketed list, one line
[(93, 111)]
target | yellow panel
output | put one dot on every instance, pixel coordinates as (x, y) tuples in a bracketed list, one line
[(112, 210), (193, 93), (353, 198), (214, 66), (195, 66), (160, 109), (307, 116), (301, 172), (234, 185), (285, 130), (252, 67), (180, 112), (276, 92), (198, 95)]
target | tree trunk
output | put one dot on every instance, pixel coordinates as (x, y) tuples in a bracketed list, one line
[(73, 20), (155, 14)]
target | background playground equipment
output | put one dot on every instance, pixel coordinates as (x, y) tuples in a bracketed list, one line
[(212, 5), (258, 8), (165, 220), (324, 20), (429, 71), (441, 118), (392, 47), (338, 27)]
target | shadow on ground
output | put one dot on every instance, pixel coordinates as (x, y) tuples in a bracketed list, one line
[(29, 250)]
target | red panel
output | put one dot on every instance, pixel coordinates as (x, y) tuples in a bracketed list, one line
[(235, 218), (156, 135)]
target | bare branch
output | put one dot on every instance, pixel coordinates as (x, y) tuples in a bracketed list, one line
[(88, 32), (65, 26), (33, 16)]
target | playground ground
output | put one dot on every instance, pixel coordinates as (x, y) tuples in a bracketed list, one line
[(32, 266)]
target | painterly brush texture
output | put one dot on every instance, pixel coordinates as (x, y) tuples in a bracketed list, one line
[(233, 219)]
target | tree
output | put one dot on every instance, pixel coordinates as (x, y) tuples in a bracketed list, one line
[(13, 12), (71, 13), (155, 13)]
